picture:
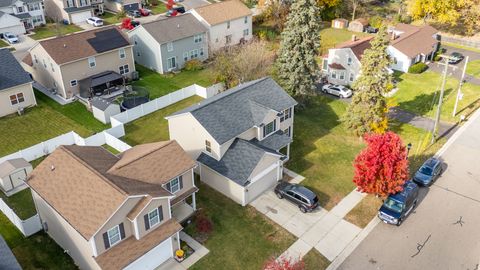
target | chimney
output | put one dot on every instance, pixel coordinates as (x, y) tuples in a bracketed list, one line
[(354, 38)]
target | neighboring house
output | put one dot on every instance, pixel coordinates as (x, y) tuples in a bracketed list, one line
[(167, 44), (82, 64), (342, 64), (16, 90), (28, 13), (73, 11), (228, 22), (340, 23), (7, 259), (13, 174), (412, 44), (119, 5), (115, 212), (240, 137), (358, 25)]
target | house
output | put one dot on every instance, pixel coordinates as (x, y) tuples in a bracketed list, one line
[(82, 64), (167, 44), (342, 64), (412, 44), (73, 11), (13, 174), (16, 92), (358, 25), (240, 137), (228, 22), (7, 259), (115, 212), (340, 23), (103, 109), (126, 5), (18, 16)]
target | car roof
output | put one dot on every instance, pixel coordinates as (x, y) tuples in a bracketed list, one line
[(431, 162), (408, 187), (304, 191)]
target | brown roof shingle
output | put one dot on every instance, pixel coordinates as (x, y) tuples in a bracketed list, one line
[(358, 47), (223, 11), (415, 39)]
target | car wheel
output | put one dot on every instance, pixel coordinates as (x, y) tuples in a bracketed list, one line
[(303, 209), (399, 222), (279, 195)]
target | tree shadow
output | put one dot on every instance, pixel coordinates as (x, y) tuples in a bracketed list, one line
[(422, 104)]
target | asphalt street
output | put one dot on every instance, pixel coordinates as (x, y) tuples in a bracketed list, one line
[(456, 70)]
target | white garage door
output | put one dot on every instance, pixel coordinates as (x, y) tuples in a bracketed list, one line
[(81, 17), (154, 257), (17, 29), (268, 180)]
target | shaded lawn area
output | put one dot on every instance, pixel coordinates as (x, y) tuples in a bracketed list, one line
[(242, 238), (38, 251), (418, 92), (110, 18), (161, 84), (330, 37), (154, 127), (3, 44), (52, 29), (111, 149), (37, 161), (473, 68), (314, 260), (21, 203)]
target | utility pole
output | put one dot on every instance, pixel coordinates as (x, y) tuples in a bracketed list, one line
[(459, 92), (439, 108)]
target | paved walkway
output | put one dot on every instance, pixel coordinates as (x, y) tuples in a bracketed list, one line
[(200, 252), (51, 95)]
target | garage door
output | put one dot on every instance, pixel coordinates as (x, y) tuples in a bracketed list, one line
[(154, 257), (267, 181), (17, 29), (81, 17)]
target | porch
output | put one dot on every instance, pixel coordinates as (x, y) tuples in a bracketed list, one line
[(102, 84), (184, 205)]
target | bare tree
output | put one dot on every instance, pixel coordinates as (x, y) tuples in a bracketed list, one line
[(355, 4)]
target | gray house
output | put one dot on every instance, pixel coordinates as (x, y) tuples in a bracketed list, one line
[(167, 44)]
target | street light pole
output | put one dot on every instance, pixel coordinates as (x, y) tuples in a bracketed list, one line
[(439, 108), (459, 92), (409, 146)]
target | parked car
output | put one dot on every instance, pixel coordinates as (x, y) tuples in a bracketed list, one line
[(171, 13), (134, 13), (304, 198), (398, 206), (337, 90), (455, 58), (95, 21), (10, 37), (371, 29), (177, 1), (145, 12), (179, 9), (429, 172)]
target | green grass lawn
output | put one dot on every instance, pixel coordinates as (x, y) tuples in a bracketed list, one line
[(154, 127), (3, 44), (473, 68), (314, 260), (159, 85), (51, 30), (110, 18), (417, 93), (111, 149), (330, 37), (454, 45), (37, 161), (38, 251), (21, 203), (158, 9), (242, 238), (364, 211)]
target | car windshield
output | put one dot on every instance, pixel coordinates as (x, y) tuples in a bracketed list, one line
[(9, 35), (393, 205), (426, 170)]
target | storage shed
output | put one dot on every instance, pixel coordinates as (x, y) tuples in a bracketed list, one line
[(102, 109), (13, 174), (340, 23), (358, 25)]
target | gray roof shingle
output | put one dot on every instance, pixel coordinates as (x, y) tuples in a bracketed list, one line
[(7, 259), (174, 28), (275, 142), (236, 110), (11, 72)]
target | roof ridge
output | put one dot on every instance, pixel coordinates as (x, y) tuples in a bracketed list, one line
[(155, 149)]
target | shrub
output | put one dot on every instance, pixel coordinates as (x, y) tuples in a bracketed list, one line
[(193, 64), (376, 21), (417, 68), (121, 14), (203, 224)]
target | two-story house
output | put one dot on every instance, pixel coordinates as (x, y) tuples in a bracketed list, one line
[(228, 22), (167, 44), (73, 11), (82, 64), (18, 16), (240, 137), (115, 212)]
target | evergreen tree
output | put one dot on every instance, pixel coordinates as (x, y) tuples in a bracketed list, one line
[(368, 110), (297, 64)]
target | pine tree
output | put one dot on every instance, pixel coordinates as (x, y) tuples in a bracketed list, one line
[(368, 110), (297, 64)]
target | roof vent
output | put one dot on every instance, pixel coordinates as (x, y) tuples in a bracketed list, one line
[(178, 25), (354, 38), (64, 45), (52, 168)]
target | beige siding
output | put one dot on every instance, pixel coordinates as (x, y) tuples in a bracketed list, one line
[(65, 235), (155, 203), (188, 183), (266, 161), (6, 106), (44, 75), (119, 217), (222, 184), (146, 49)]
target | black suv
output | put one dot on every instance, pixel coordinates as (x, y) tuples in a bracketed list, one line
[(304, 198), (399, 205)]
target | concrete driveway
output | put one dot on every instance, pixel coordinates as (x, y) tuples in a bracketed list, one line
[(191, 4), (457, 69), (443, 232), (23, 46)]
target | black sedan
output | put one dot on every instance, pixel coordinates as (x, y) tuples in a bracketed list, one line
[(304, 198), (455, 58)]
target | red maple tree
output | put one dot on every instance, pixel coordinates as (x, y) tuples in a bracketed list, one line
[(382, 167), (127, 24), (284, 263), (170, 4)]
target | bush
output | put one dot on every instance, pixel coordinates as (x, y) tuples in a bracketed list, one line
[(193, 65), (376, 21), (203, 224), (417, 68)]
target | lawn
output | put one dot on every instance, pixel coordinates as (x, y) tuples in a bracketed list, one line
[(154, 127), (330, 37), (314, 260), (3, 44), (161, 84), (473, 68), (38, 251), (111, 149), (53, 29), (242, 238), (364, 211), (110, 18), (158, 9), (454, 45), (419, 92), (21, 203)]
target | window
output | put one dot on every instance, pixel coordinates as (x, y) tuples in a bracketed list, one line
[(286, 114), (352, 77), (342, 75), (193, 54), (185, 56), (121, 53), (287, 131), (198, 38), (35, 58), (334, 74), (153, 217), (83, 3), (138, 53), (228, 25), (201, 51), (395, 60), (73, 83), (33, 6), (245, 20), (70, 3), (37, 19), (269, 128), (174, 185), (208, 146), (349, 60), (124, 69), (17, 98), (245, 32), (228, 39), (91, 62), (325, 64), (114, 235), (169, 46), (171, 63), (20, 9)]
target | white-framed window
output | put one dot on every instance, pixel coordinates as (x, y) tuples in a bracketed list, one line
[(17, 98), (201, 51), (154, 217), (208, 146), (175, 185), (228, 25), (124, 69), (228, 39), (121, 53), (37, 19), (349, 60), (245, 20), (286, 114), (169, 46), (91, 62), (325, 64), (245, 32), (352, 77), (342, 75), (193, 54), (171, 63), (185, 56), (114, 235), (333, 74), (269, 128), (33, 6), (20, 9), (288, 131), (198, 38), (73, 83)]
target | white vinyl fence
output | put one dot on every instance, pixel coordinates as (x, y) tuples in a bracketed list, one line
[(27, 227)]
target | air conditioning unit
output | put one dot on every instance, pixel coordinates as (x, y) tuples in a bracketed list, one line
[(20, 111)]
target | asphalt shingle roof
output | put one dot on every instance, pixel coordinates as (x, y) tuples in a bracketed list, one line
[(7, 259), (236, 110), (11, 72), (275, 142), (174, 28)]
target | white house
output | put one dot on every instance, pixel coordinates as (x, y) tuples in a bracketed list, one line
[(228, 22), (17, 16)]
